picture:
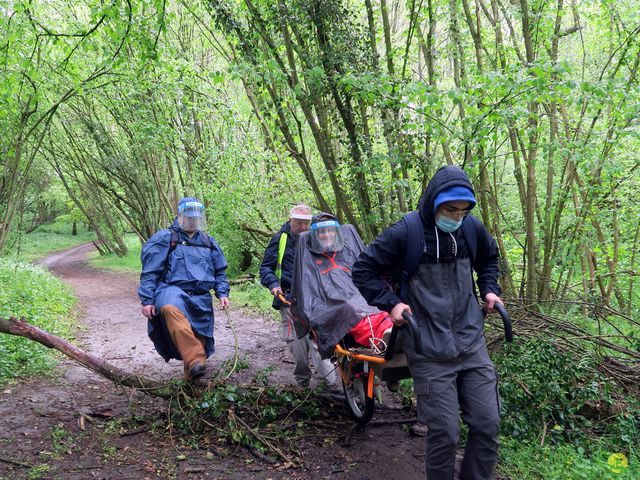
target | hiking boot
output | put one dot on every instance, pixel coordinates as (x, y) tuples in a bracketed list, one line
[(196, 371), (393, 385), (418, 429)]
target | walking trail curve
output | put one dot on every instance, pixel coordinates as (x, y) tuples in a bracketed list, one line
[(70, 426)]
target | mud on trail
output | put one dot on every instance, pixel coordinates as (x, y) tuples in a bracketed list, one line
[(77, 424)]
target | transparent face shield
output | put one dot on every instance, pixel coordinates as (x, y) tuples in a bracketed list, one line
[(326, 237), (191, 217)]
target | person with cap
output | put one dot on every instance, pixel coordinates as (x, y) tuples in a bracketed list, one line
[(180, 267), (275, 274), (453, 372)]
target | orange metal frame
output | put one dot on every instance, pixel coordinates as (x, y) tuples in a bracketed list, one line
[(360, 356), (352, 356), (365, 358), (283, 300)]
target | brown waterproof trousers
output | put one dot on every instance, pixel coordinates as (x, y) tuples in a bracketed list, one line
[(189, 344)]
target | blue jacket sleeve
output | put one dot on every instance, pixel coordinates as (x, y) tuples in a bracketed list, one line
[(153, 258), (269, 263), (221, 285), (379, 262)]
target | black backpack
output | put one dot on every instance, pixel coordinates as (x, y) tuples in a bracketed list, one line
[(416, 247)]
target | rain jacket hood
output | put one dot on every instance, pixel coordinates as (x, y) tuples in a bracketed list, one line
[(445, 177), (325, 299)]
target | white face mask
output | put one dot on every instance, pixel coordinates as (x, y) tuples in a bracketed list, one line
[(447, 224)]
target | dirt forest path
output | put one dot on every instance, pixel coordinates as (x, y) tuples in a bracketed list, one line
[(66, 427)]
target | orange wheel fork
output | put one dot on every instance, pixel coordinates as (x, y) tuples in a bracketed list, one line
[(370, 384), (343, 372)]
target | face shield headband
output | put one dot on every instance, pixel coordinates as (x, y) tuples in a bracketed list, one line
[(191, 216), (326, 236)]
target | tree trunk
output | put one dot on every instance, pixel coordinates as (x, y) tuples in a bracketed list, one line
[(21, 328)]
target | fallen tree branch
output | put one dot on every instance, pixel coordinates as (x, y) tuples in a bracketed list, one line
[(22, 328), (261, 456), (261, 439), (393, 421), (243, 279), (15, 462)]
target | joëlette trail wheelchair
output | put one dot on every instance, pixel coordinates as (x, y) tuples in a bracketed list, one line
[(326, 305), (362, 370)]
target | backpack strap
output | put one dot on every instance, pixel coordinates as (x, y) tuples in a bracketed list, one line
[(282, 246), (413, 250), (172, 246), (206, 240), (470, 233), (175, 240)]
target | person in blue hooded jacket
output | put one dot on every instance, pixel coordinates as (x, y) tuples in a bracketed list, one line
[(180, 267), (453, 373)]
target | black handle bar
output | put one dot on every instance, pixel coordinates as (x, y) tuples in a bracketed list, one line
[(415, 333), (506, 321), (411, 322)]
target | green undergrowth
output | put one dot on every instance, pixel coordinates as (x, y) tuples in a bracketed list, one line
[(246, 415), (531, 461), (562, 418), (46, 239), (547, 391), (32, 292), (254, 298), (129, 263)]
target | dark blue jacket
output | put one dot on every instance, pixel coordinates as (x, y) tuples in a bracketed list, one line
[(182, 277), (269, 263), (383, 259)]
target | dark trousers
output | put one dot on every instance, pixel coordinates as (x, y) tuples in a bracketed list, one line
[(444, 389)]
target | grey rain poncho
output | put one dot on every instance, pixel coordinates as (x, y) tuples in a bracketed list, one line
[(325, 300)]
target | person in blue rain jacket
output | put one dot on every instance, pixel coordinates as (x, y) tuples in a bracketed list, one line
[(181, 265)]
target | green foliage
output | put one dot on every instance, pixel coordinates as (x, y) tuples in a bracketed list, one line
[(47, 238), (61, 440), (530, 461), (32, 292), (254, 298), (130, 262), (39, 471), (262, 376), (407, 393), (265, 409), (547, 391), (80, 48), (239, 364)]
